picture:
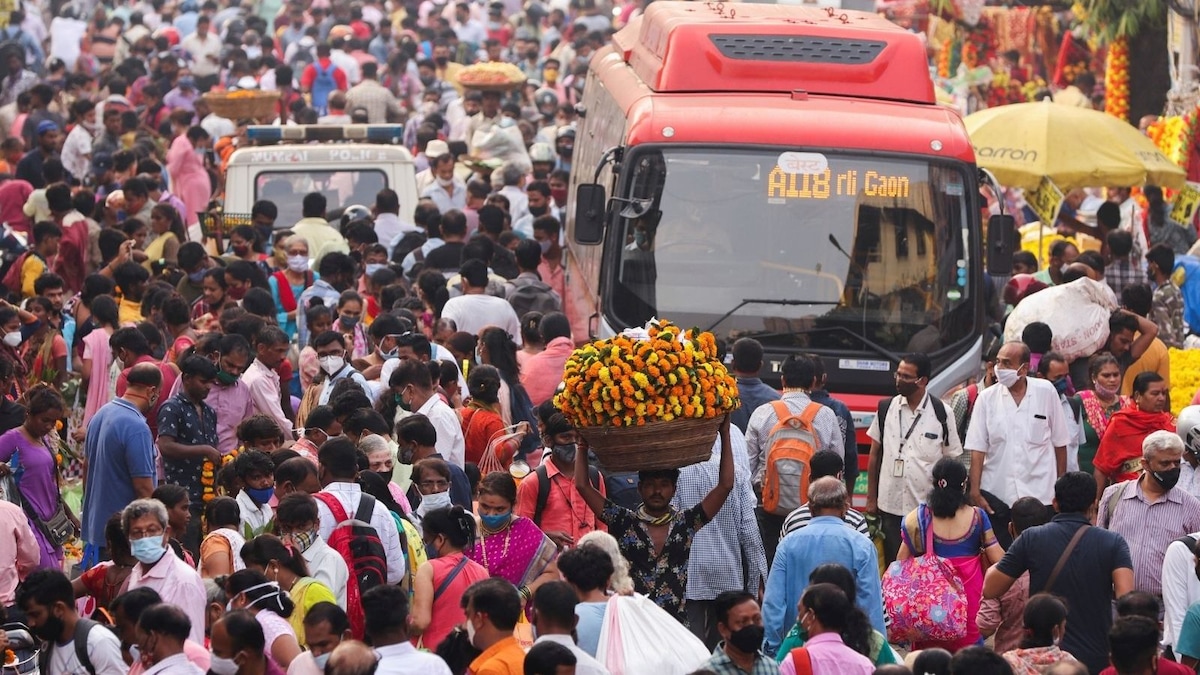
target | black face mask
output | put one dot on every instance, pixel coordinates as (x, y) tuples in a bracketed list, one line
[(564, 453), (441, 61), (538, 211), (385, 475), (1167, 479), (747, 639)]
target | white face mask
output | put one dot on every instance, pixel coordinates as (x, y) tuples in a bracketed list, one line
[(12, 339), (222, 666), (429, 503), (446, 182), (297, 263), (1007, 377), (332, 364)]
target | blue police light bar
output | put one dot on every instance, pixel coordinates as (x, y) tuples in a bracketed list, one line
[(304, 133)]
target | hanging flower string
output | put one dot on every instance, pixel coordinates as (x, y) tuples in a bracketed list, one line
[(208, 475)]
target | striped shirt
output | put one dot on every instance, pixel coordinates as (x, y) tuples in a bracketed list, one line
[(801, 517), (764, 419), (1174, 515)]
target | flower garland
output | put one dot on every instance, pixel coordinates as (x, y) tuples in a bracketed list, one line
[(208, 474), (1116, 79), (1185, 377), (625, 381)]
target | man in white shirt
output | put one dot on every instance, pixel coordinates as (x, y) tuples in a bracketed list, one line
[(48, 600), (385, 609), (914, 433), (447, 190), (475, 310), (337, 472), (411, 380), (77, 148), (554, 620), (1017, 437), (170, 628), (468, 29), (271, 348), (297, 522), (346, 62), (388, 224), (256, 471), (1131, 221), (204, 50)]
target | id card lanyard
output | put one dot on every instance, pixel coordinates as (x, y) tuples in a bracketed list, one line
[(898, 464)]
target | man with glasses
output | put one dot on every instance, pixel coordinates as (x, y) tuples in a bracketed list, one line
[(1017, 439), (417, 438), (909, 434), (331, 354)]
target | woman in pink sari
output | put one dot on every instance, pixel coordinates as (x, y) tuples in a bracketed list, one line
[(512, 547), (962, 534), (189, 179)]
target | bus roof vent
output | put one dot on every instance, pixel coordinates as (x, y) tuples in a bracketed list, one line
[(798, 48), (749, 47)]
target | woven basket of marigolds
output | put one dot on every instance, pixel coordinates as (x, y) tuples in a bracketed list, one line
[(651, 400), (243, 104)]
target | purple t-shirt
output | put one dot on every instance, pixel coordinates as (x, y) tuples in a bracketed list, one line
[(34, 471)]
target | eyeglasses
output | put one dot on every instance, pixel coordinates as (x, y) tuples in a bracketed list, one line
[(142, 534), (907, 378), (434, 484)]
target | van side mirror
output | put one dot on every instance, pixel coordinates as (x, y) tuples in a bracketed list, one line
[(591, 210), (1001, 245)]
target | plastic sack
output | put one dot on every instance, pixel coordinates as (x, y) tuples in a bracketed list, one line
[(1077, 313), (501, 141), (639, 638)]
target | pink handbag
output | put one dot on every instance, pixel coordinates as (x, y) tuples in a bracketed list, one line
[(923, 596)]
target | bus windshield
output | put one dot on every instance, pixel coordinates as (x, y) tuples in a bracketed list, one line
[(822, 251)]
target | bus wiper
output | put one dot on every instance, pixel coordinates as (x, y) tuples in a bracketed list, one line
[(768, 301), (875, 346)]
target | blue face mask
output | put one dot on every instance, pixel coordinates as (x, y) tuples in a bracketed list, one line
[(321, 660), (148, 550), (495, 522), (197, 276), (260, 496), (1063, 384)]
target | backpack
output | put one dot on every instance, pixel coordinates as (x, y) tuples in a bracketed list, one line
[(972, 395), (533, 295), (323, 85), (939, 411), (359, 545), (83, 628), (411, 241), (790, 446), (543, 495), (622, 489), (12, 275)]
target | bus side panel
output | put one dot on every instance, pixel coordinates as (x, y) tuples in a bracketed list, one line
[(603, 127)]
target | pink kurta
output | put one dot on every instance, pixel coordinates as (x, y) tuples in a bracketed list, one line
[(189, 180)]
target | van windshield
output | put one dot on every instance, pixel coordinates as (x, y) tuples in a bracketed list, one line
[(829, 246), (341, 189)]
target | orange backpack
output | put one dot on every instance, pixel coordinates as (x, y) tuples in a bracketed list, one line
[(790, 447)]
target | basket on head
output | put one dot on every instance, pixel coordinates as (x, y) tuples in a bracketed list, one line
[(243, 104), (654, 445)]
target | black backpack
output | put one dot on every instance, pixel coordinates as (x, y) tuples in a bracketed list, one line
[(533, 295), (939, 411), (543, 495), (83, 627), (622, 489)]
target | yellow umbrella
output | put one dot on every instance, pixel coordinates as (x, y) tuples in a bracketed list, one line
[(1075, 147)]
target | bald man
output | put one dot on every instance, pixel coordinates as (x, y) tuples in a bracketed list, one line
[(352, 658)]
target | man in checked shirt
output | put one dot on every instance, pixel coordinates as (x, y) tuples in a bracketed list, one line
[(1126, 508)]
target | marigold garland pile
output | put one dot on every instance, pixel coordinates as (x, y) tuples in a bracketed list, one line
[(626, 382), (1174, 136), (1185, 377)]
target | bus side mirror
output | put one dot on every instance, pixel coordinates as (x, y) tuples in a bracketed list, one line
[(1001, 245), (591, 209)]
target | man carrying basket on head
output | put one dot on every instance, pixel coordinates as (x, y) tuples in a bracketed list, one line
[(656, 539)]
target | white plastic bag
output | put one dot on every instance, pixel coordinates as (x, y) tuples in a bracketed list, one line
[(1077, 314), (639, 638)]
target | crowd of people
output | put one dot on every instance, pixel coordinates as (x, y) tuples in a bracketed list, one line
[(333, 446)]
